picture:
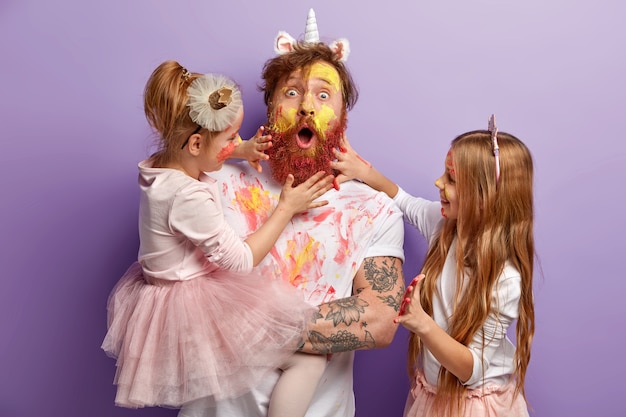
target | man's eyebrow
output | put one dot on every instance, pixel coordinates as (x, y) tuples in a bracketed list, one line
[(323, 79), (293, 79)]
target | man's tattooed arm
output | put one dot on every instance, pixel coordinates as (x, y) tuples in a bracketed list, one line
[(364, 320)]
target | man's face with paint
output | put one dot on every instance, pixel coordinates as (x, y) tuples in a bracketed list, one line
[(307, 118)]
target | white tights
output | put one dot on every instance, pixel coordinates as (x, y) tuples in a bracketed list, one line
[(295, 387)]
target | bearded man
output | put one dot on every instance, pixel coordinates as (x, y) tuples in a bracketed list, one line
[(346, 257)]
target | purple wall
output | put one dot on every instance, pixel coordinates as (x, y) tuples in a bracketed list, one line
[(72, 131)]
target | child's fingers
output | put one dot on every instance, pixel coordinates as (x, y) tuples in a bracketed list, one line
[(289, 181), (340, 178), (256, 165), (406, 298), (344, 144)]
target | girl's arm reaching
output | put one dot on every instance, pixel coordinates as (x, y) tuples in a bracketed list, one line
[(350, 165), (253, 149)]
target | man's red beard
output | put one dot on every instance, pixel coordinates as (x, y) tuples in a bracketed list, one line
[(286, 157)]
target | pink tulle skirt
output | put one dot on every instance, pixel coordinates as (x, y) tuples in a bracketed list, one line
[(176, 341), (490, 401)]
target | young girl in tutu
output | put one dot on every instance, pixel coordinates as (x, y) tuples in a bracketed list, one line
[(190, 319), (476, 281)]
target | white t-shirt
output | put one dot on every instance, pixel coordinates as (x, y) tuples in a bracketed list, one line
[(493, 364), (319, 252)]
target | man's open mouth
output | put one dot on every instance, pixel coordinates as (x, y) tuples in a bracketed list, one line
[(304, 138)]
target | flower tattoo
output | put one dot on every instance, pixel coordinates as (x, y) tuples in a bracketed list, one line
[(346, 310)]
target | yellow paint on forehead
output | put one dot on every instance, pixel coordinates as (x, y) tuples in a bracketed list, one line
[(326, 72)]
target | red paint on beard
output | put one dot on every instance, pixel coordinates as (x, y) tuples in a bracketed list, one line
[(287, 158), (226, 152)]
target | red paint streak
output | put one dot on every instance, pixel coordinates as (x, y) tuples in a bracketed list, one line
[(344, 242), (226, 152), (364, 161), (322, 216), (450, 163)]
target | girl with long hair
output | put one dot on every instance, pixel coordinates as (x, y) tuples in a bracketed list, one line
[(476, 280)]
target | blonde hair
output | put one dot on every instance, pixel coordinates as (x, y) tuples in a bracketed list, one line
[(165, 106), (494, 225)]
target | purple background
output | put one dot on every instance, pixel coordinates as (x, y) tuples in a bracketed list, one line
[(72, 130)]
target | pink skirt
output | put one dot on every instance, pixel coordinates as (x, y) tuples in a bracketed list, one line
[(218, 336), (490, 401)]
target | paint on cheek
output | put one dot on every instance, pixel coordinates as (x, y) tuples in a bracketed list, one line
[(450, 163), (226, 152), (324, 118), (285, 119)]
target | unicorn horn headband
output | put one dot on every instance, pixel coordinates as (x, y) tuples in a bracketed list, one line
[(311, 35), (285, 43)]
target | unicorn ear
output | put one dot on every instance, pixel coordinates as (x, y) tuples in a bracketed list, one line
[(283, 43), (341, 49)]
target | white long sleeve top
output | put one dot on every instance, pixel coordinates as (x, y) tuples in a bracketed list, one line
[(493, 362)]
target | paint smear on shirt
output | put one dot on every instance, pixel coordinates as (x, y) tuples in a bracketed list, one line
[(255, 204)]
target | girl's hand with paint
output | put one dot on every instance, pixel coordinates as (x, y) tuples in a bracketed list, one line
[(411, 314), (349, 163), (297, 199), (253, 149)]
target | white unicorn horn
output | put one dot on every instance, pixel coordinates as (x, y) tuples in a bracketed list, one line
[(311, 35)]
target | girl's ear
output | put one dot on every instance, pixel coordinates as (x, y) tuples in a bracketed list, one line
[(195, 143)]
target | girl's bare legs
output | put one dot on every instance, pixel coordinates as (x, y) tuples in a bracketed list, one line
[(295, 388)]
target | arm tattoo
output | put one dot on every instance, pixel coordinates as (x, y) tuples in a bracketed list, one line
[(346, 310), (342, 341), (382, 278), (316, 315), (393, 301)]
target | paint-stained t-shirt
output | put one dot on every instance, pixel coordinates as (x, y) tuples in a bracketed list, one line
[(319, 252)]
